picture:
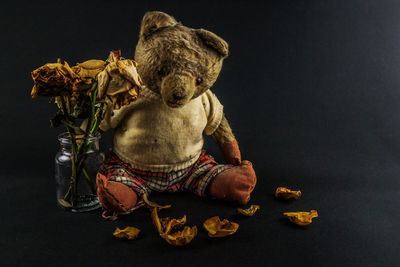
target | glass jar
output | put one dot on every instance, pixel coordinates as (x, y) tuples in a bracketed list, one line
[(84, 196)]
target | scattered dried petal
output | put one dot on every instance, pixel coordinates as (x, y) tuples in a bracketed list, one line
[(180, 238), (286, 193), (151, 204), (165, 226), (172, 224), (128, 232), (216, 228), (301, 218), (164, 222), (156, 219), (250, 211)]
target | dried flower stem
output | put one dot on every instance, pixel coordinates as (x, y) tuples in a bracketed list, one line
[(78, 156)]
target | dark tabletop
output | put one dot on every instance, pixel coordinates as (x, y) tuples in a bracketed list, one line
[(311, 89)]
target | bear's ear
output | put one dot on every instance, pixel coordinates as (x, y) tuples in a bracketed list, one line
[(213, 41), (154, 20)]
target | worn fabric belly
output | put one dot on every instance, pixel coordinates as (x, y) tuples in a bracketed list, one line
[(159, 138)]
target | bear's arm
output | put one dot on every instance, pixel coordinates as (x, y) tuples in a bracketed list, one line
[(223, 134), (224, 137)]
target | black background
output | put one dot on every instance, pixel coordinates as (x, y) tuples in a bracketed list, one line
[(311, 89)]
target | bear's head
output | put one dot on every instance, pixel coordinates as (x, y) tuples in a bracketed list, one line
[(175, 61)]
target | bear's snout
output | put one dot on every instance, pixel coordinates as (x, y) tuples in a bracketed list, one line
[(177, 89), (178, 96)]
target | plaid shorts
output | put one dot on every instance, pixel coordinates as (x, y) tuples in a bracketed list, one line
[(195, 178)]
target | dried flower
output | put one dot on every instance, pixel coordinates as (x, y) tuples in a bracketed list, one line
[(55, 79), (286, 193), (119, 80), (301, 218), (250, 211), (216, 228), (129, 232)]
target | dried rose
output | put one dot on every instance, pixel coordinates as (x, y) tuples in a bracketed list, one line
[(55, 79), (286, 193), (216, 228), (301, 218), (250, 211), (129, 232), (119, 80)]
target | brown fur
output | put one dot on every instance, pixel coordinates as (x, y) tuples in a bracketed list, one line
[(223, 134), (172, 56)]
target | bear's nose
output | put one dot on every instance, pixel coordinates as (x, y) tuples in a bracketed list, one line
[(178, 97)]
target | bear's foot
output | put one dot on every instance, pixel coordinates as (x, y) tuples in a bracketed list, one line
[(114, 197), (234, 184)]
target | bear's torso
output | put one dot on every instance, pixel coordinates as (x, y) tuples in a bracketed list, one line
[(152, 136)]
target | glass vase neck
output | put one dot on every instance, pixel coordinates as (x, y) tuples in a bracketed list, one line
[(66, 142)]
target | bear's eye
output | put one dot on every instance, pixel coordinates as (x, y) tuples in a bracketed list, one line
[(199, 81)]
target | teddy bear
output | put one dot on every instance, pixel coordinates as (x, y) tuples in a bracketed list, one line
[(158, 139)]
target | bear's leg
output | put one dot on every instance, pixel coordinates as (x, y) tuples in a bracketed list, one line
[(115, 197), (234, 184)]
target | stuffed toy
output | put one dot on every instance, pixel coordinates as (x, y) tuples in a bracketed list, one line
[(158, 139)]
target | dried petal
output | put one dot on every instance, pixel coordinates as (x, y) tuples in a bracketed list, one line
[(301, 218), (133, 92), (172, 223), (156, 219), (154, 207), (286, 193), (250, 211), (127, 68), (128, 232), (164, 222), (122, 83), (180, 238), (164, 226), (53, 79), (102, 83), (89, 68), (151, 204), (114, 55), (216, 228)]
